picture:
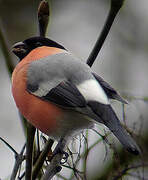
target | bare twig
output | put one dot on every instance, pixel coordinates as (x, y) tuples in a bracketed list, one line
[(43, 17), (85, 154), (19, 159), (137, 176), (38, 142), (78, 158), (29, 150), (8, 60), (38, 165), (23, 123), (61, 177), (54, 167), (123, 114), (114, 9), (124, 171), (9, 146)]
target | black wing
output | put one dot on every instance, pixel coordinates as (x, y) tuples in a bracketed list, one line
[(65, 94), (109, 119), (110, 91)]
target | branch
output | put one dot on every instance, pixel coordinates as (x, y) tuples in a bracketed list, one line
[(123, 157), (124, 171), (38, 165), (114, 9), (43, 17), (19, 159), (54, 167), (9, 146), (83, 156), (137, 176), (8, 60), (29, 150)]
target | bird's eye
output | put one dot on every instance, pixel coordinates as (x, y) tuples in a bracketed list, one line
[(39, 44)]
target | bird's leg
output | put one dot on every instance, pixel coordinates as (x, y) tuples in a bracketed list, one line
[(60, 150), (54, 166)]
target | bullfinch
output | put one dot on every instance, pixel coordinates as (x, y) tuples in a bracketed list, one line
[(60, 95)]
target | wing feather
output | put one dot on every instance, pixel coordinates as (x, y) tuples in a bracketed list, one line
[(109, 90), (65, 94)]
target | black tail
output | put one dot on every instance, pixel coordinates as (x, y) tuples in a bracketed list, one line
[(108, 117)]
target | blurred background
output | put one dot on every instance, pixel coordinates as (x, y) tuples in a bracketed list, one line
[(123, 61)]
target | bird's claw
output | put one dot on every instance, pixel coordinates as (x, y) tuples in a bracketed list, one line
[(58, 150), (65, 157)]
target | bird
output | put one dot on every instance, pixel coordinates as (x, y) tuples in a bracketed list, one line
[(60, 94)]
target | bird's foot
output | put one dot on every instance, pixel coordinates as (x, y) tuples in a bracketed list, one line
[(59, 150)]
